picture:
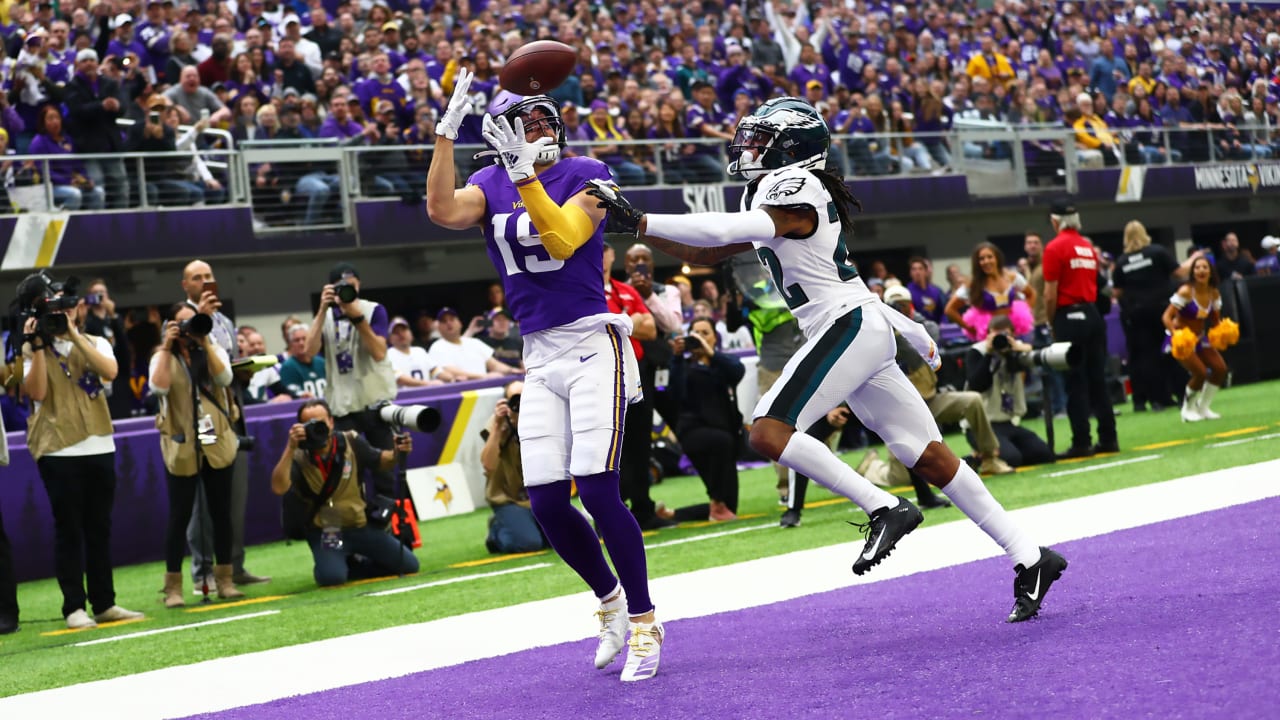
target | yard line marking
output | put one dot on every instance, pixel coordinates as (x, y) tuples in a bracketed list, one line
[(1104, 466), (1241, 431), (708, 536), (1162, 445), (176, 628), (694, 525), (1229, 443), (225, 606), (451, 581), (100, 626), (500, 558)]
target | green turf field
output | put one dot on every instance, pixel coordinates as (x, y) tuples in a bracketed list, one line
[(42, 655)]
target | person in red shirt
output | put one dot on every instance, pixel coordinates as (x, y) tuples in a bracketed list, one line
[(636, 447), (1070, 290)]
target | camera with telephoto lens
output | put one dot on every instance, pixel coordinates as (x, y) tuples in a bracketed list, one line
[(1058, 356), (196, 326), (346, 292), (317, 435), (408, 417)]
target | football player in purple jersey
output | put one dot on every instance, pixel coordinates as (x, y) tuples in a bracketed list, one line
[(544, 235)]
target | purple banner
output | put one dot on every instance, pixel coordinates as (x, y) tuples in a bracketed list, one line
[(141, 503)]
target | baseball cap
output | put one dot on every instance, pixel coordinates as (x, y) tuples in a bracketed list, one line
[(872, 282), (897, 293), (398, 321), (87, 54), (290, 91), (446, 311), (383, 106), (1270, 242), (342, 270), (123, 19), (499, 311), (813, 84), (1062, 207), (390, 25)]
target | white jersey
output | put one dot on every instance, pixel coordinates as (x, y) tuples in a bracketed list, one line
[(813, 274)]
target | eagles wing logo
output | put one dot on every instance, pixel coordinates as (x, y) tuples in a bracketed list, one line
[(787, 187)]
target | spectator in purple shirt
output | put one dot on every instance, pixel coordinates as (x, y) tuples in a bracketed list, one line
[(705, 119), (810, 68), (928, 299), (72, 188)]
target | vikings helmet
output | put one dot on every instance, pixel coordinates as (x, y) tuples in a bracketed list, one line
[(783, 131), (511, 106)]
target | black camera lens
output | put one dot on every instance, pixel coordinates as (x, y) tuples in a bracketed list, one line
[(317, 435), (1000, 342), (54, 324), (198, 325), (346, 292), (513, 402)]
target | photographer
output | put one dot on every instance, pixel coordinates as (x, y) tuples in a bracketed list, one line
[(994, 369), (190, 375), (101, 320), (70, 438), (352, 332), (513, 528), (323, 468)]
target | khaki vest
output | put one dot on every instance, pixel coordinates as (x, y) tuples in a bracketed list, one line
[(67, 416), (177, 425), (368, 381), (347, 497)]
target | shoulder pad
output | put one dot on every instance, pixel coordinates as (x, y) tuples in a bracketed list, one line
[(791, 186)]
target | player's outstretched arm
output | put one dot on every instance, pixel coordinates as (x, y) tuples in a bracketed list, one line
[(456, 209), (698, 240)]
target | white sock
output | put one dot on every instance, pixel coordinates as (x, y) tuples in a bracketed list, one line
[(618, 599), (809, 456), (972, 497)]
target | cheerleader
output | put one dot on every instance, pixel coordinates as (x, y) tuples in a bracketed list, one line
[(993, 290), (1196, 333)]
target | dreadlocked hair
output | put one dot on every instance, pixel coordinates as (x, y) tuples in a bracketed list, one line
[(842, 196)]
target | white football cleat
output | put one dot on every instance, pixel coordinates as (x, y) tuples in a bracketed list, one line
[(613, 630), (644, 649)]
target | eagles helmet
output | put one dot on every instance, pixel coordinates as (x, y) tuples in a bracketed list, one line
[(783, 131), (512, 106)]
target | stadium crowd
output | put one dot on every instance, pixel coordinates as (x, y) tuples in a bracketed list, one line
[(893, 78)]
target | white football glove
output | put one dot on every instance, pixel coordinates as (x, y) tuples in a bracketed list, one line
[(517, 154), (459, 106)]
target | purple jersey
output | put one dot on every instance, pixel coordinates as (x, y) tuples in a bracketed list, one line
[(542, 292)]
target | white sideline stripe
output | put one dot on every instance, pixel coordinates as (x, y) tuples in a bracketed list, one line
[(176, 628), (1104, 466), (1229, 443), (708, 536), (392, 652), (451, 581)]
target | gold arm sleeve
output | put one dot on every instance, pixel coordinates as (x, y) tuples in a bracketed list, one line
[(562, 230)]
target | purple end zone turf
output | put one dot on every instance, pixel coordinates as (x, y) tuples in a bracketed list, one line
[(1171, 620)]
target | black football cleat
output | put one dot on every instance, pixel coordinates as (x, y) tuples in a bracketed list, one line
[(790, 518), (1031, 584), (885, 528)]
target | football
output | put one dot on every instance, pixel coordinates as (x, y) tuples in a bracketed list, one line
[(538, 68)]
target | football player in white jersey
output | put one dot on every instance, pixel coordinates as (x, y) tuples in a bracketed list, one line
[(796, 216)]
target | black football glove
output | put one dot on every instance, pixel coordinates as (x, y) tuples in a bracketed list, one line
[(623, 218)]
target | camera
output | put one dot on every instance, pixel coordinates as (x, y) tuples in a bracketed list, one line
[(412, 417), (346, 292), (153, 117), (246, 443), (317, 435), (37, 297), (1058, 356), (691, 343), (513, 403), (198, 325), (93, 299)]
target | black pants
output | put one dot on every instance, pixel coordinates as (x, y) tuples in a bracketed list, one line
[(380, 436), (637, 448), (1019, 446), (714, 454), (81, 492), (1082, 326), (8, 581), (182, 494), (1149, 368)]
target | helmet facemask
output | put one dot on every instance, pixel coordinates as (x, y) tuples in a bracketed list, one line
[(538, 118), (752, 153)]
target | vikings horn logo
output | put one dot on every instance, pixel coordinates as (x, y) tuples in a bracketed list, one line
[(1251, 173), (444, 494)]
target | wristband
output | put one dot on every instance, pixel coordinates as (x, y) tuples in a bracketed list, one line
[(356, 319)]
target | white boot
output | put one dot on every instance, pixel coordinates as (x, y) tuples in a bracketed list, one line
[(1206, 397), (1191, 406)]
